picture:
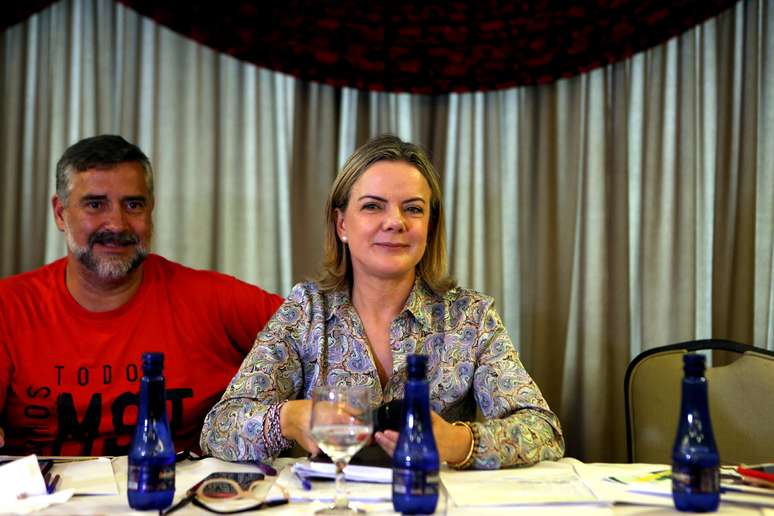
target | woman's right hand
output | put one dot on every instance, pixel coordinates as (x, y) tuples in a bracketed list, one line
[(295, 417)]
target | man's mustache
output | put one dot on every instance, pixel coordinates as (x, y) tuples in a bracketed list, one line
[(122, 238)]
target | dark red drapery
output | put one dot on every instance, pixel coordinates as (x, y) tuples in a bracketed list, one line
[(433, 46)]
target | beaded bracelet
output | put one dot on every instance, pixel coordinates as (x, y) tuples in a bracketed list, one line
[(274, 441), (468, 460)]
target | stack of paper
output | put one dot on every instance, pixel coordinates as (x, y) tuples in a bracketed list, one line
[(729, 493), (546, 483), (92, 476), (23, 490), (311, 469), (651, 484), (366, 484)]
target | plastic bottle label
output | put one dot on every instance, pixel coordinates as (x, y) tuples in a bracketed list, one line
[(695, 479), (414, 483), (150, 478)]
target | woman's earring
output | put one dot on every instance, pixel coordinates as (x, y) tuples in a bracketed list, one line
[(344, 239)]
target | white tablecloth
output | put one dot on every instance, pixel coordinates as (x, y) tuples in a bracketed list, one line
[(592, 475)]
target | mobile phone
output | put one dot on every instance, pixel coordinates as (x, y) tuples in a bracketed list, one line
[(762, 474), (388, 416)]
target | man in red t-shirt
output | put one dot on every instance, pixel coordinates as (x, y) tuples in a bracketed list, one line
[(72, 332)]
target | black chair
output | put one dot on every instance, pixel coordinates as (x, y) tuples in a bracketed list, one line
[(741, 396)]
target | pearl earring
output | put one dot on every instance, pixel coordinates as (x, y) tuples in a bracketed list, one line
[(344, 239)]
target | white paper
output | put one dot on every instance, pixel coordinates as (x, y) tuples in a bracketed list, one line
[(545, 483), (21, 478), (22, 488), (87, 476), (353, 473), (745, 495), (630, 490), (325, 490), (597, 478)]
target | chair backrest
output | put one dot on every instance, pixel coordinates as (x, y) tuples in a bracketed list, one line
[(741, 396)]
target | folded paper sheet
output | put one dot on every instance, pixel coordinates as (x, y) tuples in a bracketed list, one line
[(365, 487), (22, 489), (87, 477), (546, 483), (373, 474)]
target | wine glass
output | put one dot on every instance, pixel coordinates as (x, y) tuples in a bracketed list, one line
[(341, 424)]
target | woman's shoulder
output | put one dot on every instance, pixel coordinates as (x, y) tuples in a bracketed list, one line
[(459, 305), (312, 298), (305, 292), (469, 296)]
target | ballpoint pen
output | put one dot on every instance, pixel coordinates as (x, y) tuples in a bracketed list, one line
[(306, 484), (46, 466), (52, 486), (265, 468)]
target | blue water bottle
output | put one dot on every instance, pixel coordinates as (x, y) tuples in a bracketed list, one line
[(695, 459), (151, 474), (415, 463)]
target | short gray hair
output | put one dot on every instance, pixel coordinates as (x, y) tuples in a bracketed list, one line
[(105, 150)]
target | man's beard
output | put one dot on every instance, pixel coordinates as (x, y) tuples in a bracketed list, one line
[(113, 267)]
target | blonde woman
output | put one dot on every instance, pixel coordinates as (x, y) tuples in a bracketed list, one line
[(383, 294)]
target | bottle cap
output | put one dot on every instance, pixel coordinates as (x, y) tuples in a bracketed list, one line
[(417, 365), (693, 364), (152, 363)]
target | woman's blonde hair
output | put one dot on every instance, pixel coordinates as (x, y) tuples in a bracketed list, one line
[(337, 265)]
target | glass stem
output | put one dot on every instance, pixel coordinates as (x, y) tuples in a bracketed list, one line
[(341, 487)]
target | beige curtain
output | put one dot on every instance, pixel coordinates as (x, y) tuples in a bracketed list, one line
[(623, 209)]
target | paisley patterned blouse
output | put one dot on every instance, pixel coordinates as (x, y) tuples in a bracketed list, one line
[(317, 338)]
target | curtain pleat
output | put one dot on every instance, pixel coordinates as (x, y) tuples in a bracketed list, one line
[(626, 208)]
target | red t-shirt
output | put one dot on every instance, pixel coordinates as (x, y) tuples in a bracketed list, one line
[(69, 378)]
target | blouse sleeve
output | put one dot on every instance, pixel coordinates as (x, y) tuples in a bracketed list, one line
[(519, 427), (244, 424)]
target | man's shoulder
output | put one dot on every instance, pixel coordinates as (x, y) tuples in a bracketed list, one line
[(28, 283), (169, 270), (172, 274)]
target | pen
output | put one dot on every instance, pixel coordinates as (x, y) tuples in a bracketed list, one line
[(305, 483), (52, 486), (46, 467), (265, 468)]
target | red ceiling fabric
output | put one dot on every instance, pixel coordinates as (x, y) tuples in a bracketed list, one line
[(430, 46), (16, 11)]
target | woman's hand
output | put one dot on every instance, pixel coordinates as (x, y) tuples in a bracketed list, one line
[(387, 440), (295, 417), (453, 442)]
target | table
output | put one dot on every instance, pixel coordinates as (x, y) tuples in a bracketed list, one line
[(189, 472)]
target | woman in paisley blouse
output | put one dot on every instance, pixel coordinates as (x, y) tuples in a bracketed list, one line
[(382, 295)]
